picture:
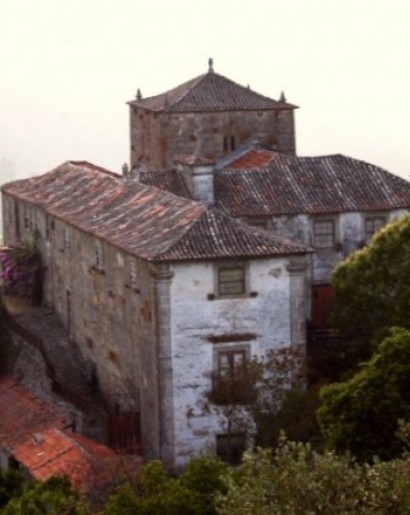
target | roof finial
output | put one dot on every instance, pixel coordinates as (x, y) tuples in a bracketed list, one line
[(211, 65), (282, 97), (138, 96)]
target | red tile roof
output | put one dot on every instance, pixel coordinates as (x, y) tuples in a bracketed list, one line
[(89, 466), (256, 158), (209, 92), (33, 433), (142, 220), (22, 414), (263, 183)]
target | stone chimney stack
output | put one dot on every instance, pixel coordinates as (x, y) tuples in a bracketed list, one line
[(203, 184), (198, 175)]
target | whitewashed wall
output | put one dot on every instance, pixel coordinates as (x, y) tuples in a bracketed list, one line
[(194, 319)]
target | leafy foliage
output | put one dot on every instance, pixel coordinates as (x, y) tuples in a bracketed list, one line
[(371, 287), (158, 493), (296, 480), (361, 414), (52, 497), (11, 485)]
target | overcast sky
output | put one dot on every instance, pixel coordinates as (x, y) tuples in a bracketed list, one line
[(68, 67)]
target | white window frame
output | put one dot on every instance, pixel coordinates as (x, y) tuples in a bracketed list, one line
[(320, 238)]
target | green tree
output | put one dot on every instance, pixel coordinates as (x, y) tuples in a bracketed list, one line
[(371, 287), (11, 485), (296, 480), (156, 493), (52, 497), (361, 414)]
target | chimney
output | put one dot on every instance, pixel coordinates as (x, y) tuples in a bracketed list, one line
[(203, 184)]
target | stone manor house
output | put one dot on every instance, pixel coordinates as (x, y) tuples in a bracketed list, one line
[(214, 245)]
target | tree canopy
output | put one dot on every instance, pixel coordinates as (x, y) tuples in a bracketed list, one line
[(372, 287), (361, 414)]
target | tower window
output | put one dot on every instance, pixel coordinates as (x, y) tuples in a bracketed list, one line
[(225, 143), (233, 143)]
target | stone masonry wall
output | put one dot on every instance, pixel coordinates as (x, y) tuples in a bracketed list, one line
[(157, 138), (111, 319)]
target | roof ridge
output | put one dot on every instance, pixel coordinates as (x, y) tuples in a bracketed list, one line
[(194, 83)]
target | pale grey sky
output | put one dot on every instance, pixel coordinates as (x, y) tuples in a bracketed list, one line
[(67, 69)]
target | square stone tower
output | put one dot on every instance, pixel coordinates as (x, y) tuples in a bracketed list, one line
[(205, 118)]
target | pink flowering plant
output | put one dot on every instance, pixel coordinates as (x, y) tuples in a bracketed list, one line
[(21, 270)]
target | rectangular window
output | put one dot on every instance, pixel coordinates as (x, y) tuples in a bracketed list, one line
[(17, 220), (372, 224), (48, 228), (324, 233), (67, 238), (99, 255), (231, 280), (134, 277), (260, 223), (233, 381), (25, 215), (230, 447), (68, 307), (231, 364)]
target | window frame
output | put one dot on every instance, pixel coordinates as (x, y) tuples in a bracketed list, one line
[(372, 218), (317, 237), (133, 275), (222, 292), (66, 238), (99, 255), (231, 386)]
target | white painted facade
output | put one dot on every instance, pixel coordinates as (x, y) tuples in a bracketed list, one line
[(195, 318), (350, 235)]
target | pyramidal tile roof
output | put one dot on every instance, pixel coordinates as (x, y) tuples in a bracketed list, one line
[(209, 92), (143, 220)]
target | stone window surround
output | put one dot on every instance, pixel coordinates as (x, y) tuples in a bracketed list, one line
[(230, 349), (332, 234), (231, 264)]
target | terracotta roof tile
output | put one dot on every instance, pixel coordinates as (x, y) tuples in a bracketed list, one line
[(89, 465), (23, 414), (215, 235), (209, 92), (315, 185), (140, 219), (33, 432), (256, 158)]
